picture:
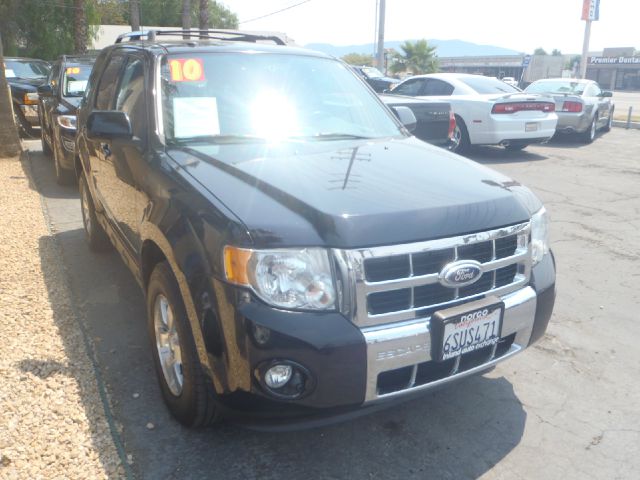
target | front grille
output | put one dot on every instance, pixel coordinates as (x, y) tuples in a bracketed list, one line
[(398, 283)]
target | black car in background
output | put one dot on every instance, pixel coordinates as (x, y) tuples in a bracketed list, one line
[(24, 75), (435, 121), (374, 77), (59, 99)]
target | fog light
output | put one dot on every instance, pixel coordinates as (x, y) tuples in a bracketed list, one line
[(278, 376)]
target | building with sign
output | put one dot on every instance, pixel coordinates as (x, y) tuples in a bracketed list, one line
[(615, 69)]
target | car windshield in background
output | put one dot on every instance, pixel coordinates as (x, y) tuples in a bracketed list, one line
[(372, 72), (484, 85), (25, 69), (237, 97), (75, 80), (567, 86)]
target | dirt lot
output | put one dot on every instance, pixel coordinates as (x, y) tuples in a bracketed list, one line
[(567, 408)]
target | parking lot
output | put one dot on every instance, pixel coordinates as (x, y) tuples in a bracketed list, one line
[(566, 408)]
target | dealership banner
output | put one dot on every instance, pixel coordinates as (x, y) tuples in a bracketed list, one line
[(591, 10), (614, 60)]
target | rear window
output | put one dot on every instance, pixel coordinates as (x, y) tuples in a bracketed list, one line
[(484, 85), (560, 86)]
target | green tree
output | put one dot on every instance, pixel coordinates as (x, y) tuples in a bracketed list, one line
[(556, 52), (416, 57), (358, 59), (113, 12), (540, 51)]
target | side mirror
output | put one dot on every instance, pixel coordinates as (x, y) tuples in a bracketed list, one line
[(108, 125), (406, 117), (606, 93), (45, 90)]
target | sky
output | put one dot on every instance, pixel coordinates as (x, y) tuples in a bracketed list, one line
[(521, 25)]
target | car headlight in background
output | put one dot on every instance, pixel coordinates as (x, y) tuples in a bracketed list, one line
[(539, 235), (297, 279), (67, 121), (30, 98)]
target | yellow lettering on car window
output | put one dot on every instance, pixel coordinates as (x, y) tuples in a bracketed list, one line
[(186, 69)]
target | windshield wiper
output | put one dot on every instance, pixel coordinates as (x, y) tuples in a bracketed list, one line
[(218, 139), (337, 136)]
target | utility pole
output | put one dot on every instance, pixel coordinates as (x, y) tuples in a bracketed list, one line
[(585, 49), (380, 50)]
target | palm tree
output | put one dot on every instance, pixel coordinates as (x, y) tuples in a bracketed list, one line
[(9, 141), (134, 14), (203, 15), (417, 57), (79, 28)]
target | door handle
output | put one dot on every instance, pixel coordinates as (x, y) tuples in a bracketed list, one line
[(106, 149)]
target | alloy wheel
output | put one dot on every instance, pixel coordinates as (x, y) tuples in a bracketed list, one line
[(168, 344)]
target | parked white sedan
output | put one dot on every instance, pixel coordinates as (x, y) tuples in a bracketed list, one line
[(487, 110)]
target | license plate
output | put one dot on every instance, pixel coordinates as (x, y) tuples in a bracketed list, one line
[(466, 328), (531, 127)]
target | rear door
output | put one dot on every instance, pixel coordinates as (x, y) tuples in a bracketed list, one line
[(411, 88)]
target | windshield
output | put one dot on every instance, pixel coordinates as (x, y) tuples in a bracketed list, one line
[(484, 85), (558, 86), (26, 69), (372, 72), (75, 80), (239, 97)]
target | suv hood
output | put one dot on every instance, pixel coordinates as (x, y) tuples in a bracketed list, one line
[(350, 194)]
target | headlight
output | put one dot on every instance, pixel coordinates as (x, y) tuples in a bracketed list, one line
[(30, 98), (67, 121), (299, 279), (539, 235)]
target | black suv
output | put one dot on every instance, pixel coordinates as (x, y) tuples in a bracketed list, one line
[(302, 255), (24, 75), (59, 99)]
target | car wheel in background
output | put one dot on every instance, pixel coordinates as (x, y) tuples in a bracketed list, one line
[(46, 149), (95, 234), (63, 175), (187, 392), (607, 127), (516, 146), (590, 134), (24, 129), (460, 142)]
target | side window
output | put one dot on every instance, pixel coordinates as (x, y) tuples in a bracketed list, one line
[(130, 97), (437, 87), (410, 87), (104, 97), (593, 90)]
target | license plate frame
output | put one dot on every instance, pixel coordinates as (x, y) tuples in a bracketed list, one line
[(480, 321), (531, 126)]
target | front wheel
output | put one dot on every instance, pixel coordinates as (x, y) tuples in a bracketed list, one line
[(63, 175), (95, 234), (187, 392)]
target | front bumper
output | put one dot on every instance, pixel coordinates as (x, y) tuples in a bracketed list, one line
[(30, 113), (349, 364)]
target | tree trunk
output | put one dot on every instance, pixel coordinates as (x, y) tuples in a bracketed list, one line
[(203, 16), (134, 14), (80, 28), (9, 141), (186, 16)]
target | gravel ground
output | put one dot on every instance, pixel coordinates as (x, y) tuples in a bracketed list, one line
[(53, 423)]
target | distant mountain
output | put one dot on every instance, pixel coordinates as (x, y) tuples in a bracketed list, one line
[(445, 48)]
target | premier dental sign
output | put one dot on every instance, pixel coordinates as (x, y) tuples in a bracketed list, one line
[(614, 60)]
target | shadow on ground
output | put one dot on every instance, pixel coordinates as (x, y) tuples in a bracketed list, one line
[(458, 432)]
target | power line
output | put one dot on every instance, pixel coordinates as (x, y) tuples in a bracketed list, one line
[(277, 11)]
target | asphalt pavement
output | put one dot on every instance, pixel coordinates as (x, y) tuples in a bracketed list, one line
[(566, 408)]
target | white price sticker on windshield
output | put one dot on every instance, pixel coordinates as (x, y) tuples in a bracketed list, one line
[(195, 117)]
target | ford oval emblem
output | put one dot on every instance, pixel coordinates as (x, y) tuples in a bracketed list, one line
[(460, 274)]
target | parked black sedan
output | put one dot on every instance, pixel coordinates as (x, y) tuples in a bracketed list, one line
[(24, 75), (435, 121), (59, 99)]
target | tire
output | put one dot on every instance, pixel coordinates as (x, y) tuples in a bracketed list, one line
[(25, 130), (607, 127), (187, 392), (63, 175), (46, 149), (590, 134), (461, 143), (514, 147), (94, 233)]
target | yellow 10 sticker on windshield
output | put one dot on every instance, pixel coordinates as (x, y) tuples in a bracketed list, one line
[(186, 69), (72, 70)]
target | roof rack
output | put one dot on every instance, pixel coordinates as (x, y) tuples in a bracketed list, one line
[(227, 35)]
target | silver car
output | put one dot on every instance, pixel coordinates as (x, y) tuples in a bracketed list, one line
[(582, 106)]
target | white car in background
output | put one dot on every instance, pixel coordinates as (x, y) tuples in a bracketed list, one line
[(487, 110)]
